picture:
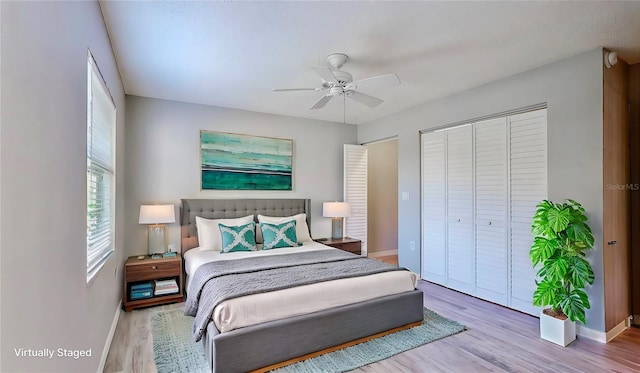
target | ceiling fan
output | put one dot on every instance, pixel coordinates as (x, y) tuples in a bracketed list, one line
[(336, 82)]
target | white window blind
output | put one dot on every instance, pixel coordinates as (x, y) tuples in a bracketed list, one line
[(101, 122)]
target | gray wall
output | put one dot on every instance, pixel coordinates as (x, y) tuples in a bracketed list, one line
[(46, 301), (382, 196), (572, 89), (163, 159)]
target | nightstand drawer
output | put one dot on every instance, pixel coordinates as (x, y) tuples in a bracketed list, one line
[(347, 244), (150, 271), (352, 247)]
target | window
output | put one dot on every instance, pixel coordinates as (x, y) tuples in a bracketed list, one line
[(101, 127)]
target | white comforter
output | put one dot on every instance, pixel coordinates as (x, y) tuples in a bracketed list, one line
[(258, 308)]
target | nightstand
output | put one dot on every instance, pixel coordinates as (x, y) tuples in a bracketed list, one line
[(141, 271), (347, 244)]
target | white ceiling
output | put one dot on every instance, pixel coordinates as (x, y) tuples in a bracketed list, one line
[(232, 54)]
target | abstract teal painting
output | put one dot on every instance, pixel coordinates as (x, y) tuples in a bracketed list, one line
[(232, 161)]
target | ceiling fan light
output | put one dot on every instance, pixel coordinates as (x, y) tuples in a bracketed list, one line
[(336, 91), (336, 82)]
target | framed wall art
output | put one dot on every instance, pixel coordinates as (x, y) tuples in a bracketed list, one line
[(231, 161)]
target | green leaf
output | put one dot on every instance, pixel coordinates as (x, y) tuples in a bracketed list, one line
[(573, 305), (544, 205), (584, 297), (559, 218), (542, 249), (556, 268), (580, 273), (578, 216), (545, 293), (581, 233), (578, 207), (540, 223)]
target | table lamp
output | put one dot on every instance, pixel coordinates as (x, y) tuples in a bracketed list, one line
[(156, 216), (336, 211)]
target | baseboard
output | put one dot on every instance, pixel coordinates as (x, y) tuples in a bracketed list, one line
[(602, 337), (107, 345), (584, 332), (382, 253), (635, 320), (616, 330)]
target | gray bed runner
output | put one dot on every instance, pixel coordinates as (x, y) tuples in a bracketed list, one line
[(216, 282)]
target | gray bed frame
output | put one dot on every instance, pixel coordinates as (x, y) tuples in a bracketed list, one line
[(254, 347)]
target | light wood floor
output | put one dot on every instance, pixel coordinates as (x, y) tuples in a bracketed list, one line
[(391, 259), (498, 340)]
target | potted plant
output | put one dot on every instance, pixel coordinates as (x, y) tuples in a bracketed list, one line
[(561, 237)]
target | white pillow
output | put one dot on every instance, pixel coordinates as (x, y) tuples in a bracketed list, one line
[(302, 229), (209, 238)]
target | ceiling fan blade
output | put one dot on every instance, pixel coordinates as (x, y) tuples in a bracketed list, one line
[(377, 81), (325, 73), (322, 101), (364, 98), (295, 89)]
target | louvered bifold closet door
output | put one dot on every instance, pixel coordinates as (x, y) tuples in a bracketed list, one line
[(355, 192), (528, 179), (491, 194), (461, 261), (434, 254)]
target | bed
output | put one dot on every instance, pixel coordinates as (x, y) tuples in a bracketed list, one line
[(308, 325)]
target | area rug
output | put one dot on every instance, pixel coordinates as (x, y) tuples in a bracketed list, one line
[(175, 351)]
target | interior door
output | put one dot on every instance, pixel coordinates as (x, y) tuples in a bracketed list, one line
[(615, 248), (434, 251), (461, 261), (355, 192), (491, 209), (528, 184)]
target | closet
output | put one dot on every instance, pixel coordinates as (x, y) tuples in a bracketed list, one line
[(481, 182)]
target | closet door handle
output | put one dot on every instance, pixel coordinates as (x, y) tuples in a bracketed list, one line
[(612, 243), (458, 220), (489, 223)]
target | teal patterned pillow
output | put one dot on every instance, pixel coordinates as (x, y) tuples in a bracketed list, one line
[(240, 238), (279, 235)]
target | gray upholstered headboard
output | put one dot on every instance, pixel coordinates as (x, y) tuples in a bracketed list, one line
[(233, 208)]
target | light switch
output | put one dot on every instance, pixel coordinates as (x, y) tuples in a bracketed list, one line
[(405, 196)]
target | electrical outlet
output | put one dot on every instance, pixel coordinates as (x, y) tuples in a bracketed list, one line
[(172, 247), (412, 245)]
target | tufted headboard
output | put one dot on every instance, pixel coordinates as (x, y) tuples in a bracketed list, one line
[(233, 208)]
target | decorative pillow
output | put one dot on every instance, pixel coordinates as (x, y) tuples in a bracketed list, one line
[(302, 229), (209, 238), (279, 235), (240, 238)]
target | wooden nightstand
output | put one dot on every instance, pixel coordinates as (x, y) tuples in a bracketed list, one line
[(347, 244), (137, 271)]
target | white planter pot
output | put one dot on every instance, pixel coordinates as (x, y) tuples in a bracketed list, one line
[(561, 332)]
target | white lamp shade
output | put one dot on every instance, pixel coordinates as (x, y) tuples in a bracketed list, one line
[(157, 214), (336, 209)]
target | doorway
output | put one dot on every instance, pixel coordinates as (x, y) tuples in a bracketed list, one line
[(382, 200)]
